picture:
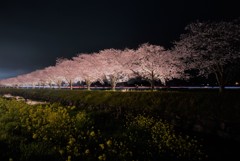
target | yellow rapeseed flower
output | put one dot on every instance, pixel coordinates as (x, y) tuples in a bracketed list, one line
[(109, 143), (34, 136), (87, 151), (92, 133), (101, 146)]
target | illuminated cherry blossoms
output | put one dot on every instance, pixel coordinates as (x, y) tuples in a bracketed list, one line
[(112, 66)]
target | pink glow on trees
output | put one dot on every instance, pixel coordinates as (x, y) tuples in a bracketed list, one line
[(153, 62), (113, 65), (9, 82), (68, 70), (88, 68), (46, 76), (19, 81), (49, 76), (30, 79), (211, 47), (54, 75), (22, 80), (40, 77), (150, 62)]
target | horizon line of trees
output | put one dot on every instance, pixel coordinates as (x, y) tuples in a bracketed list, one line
[(206, 48)]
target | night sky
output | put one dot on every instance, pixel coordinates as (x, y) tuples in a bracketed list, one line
[(34, 33)]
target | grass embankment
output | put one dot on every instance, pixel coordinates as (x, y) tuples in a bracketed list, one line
[(120, 125), (180, 105)]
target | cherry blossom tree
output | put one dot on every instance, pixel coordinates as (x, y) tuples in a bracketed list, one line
[(40, 77), (88, 68), (30, 79), (153, 62), (211, 47), (113, 66), (68, 70), (22, 80), (54, 75)]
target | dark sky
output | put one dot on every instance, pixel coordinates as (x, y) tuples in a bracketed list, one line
[(34, 33)]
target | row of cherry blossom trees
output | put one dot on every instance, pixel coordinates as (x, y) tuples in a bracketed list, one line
[(151, 62), (206, 47)]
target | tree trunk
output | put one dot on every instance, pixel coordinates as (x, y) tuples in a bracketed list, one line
[(88, 87), (113, 83), (59, 84), (152, 81), (221, 88), (113, 87), (88, 83), (70, 83), (221, 81)]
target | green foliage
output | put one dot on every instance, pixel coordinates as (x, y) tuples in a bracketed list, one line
[(65, 133), (189, 105), (158, 141)]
